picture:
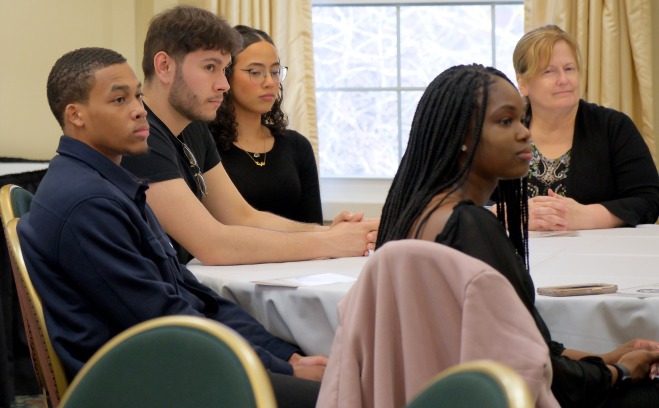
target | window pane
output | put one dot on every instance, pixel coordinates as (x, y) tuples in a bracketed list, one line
[(359, 133), (357, 52), (354, 46), (509, 28), (434, 38), (409, 102)]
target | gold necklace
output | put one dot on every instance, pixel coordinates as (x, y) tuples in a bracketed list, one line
[(255, 156)]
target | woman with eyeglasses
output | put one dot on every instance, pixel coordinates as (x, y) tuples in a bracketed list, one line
[(273, 167)]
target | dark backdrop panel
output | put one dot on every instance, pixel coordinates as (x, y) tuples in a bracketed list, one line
[(17, 375)]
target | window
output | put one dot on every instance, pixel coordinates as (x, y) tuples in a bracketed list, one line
[(373, 62)]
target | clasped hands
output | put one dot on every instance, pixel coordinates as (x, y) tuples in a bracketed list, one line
[(368, 226), (309, 367), (553, 212), (640, 356)]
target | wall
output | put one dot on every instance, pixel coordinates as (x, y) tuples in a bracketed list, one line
[(655, 76), (34, 34), (30, 42)]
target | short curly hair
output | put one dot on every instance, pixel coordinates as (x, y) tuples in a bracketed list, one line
[(224, 127), (72, 77), (184, 29)]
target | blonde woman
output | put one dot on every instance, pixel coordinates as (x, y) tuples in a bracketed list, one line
[(591, 167)]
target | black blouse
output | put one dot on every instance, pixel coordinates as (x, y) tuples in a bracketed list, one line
[(547, 173), (475, 231)]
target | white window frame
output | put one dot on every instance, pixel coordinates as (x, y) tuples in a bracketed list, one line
[(360, 193)]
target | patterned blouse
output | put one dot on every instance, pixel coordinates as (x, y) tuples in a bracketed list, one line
[(547, 173)]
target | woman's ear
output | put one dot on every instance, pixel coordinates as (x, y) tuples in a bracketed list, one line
[(522, 85)]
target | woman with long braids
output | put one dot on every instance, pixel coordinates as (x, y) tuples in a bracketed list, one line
[(273, 167), (467, 139)]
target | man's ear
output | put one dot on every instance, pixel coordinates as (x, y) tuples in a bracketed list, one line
[(165, 67), (521, 84), (74, 115)]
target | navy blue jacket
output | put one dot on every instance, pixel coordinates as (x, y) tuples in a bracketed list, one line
[(102, 263)]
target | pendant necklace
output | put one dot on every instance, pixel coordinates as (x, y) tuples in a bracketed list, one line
[(255, 156)]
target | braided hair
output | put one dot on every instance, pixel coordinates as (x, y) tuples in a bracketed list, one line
[(449, 115), (224, 127)]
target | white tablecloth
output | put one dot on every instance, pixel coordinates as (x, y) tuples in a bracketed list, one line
[(21, 167), (627, 257)]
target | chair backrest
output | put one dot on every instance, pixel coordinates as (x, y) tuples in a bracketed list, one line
[(482, 383), (173, 361), (47, 365), (17, 201)]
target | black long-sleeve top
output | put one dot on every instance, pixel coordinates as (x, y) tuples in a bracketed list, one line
[(286, 185)]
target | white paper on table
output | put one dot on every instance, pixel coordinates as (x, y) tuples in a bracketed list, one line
[(650, 290), (542, 234), (309, 280)]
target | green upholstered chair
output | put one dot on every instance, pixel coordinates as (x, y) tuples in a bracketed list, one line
[(475, 384), (173, 361), (15, 202)]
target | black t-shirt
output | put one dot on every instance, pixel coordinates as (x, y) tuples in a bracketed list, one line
[(166, 160)]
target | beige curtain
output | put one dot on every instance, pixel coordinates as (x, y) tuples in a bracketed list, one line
[(289, 24), (615, 38)]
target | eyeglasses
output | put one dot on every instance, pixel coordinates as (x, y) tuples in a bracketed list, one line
[(198, 176), (258, 75)]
